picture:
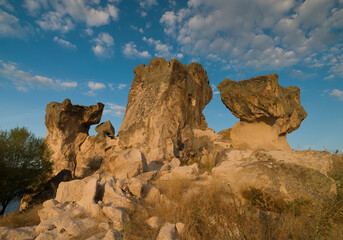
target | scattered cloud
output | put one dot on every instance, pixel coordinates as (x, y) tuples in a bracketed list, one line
[(6, 5), (23, 80), (330, 77), (64, 43), (62, 15), (94, 86), (144, 14), (72, 84), (114, 110), (269, 34), (130, 50), (172, 3), (103, 45), (89, 31), (121, 86), (147, 3), (11, 27), (162, 50), (54, 21), (110, 85), (337, 93)]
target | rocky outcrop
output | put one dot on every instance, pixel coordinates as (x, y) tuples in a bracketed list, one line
[(277, 176), (165, 104), (67, 137), (267, 112)]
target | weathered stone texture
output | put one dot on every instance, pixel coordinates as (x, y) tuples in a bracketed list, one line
[(268, 112), (165, 103)]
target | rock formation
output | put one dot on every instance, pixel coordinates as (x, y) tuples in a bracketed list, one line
[(278, 175), (165, 104), (67, 136), (267, 112), (164, 144)]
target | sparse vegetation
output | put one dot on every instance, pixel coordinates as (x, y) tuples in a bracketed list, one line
[(211, 212), (24, 218)]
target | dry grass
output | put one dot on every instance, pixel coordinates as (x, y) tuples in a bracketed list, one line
[(18, 219), (211, 212)]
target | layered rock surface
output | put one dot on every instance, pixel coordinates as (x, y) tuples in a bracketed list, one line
[(165, 104), (267, 111)]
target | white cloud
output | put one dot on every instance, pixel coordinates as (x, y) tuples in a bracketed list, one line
[(330, 77), (54, 21), (89, 31), (23, 80), (94, 86), (61, 13), (130, 50), (337, 93), (103, 45), (121, 86), (34, 6), (172, 3), (10, 26), (162, 50), (147, 3), (64, 43), (6, 4), (72, 84), (144, 14), (267, 34), (114, 109)]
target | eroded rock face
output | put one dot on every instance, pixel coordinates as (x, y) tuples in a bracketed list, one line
[(67, 136), (268, 112), (165, 103), (278, 174)]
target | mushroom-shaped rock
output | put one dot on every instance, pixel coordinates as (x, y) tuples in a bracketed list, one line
[(267, 111), (165, 103), (67, 128)]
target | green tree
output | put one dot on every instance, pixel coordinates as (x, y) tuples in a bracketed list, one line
[(24, 163)]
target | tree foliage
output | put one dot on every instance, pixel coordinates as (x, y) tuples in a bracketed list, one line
[(24, 163)]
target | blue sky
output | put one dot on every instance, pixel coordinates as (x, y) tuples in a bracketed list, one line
[(86, 50)]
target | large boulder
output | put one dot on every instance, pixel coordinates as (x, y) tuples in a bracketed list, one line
[(125, 164), (277, 176), (165, 103), (267, 112)]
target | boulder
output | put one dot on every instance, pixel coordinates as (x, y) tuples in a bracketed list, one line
[(116, 215), (126, 164), (181, 173), (154, 222), (180, 227), (114, 196), (277, 176), (70, 191), (165, 103), (267, 112), (105, 129), (167, 232)]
